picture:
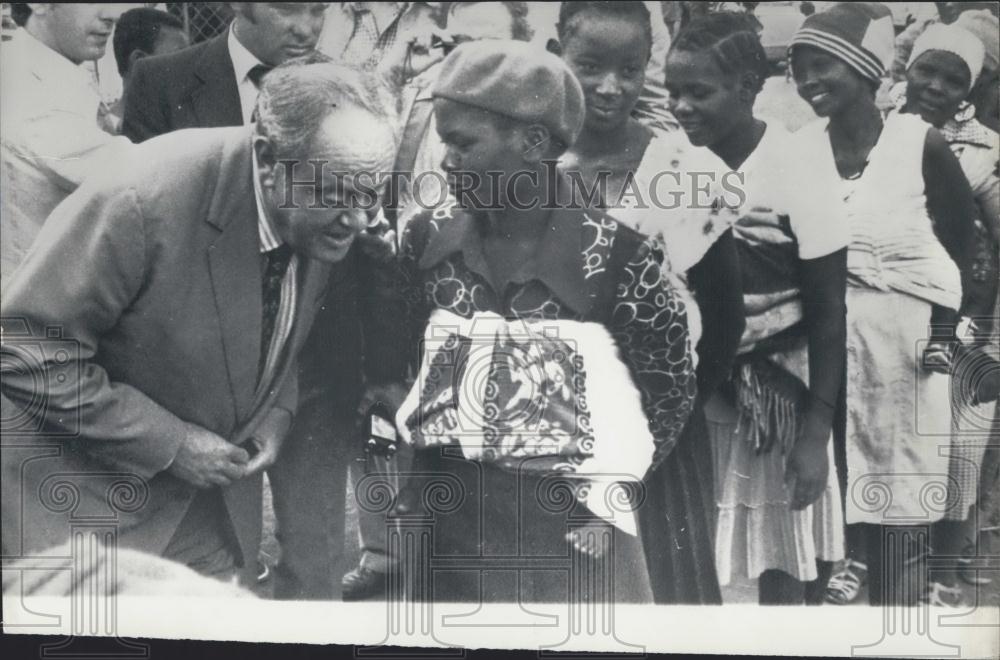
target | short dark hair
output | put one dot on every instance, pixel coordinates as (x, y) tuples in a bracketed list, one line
[(731, 39), (19, 12), (633, 9), (138, 29)]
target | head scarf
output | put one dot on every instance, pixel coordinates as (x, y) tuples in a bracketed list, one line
[(951, 39)]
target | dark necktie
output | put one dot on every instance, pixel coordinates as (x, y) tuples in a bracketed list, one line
[(274, 272), (257, 72)]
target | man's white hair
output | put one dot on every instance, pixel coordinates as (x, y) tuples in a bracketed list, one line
[(297, 96)]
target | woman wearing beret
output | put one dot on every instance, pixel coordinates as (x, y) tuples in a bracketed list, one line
[(556, 365)]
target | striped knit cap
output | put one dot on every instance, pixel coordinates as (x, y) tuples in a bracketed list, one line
[(858, 33)]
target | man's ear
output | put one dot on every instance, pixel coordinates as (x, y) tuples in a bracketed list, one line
[(536, 142), (267, 161)]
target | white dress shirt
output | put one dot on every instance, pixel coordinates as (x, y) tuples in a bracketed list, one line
[(49, 139), (243, 61)]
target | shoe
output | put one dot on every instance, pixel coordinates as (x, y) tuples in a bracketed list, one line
[(845, 584), (939, 595), (966, 571), (362, 583)]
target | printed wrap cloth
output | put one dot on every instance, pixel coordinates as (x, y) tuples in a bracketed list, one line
[(539, 396)]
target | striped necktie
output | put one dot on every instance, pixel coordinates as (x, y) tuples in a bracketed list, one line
[(274, 273)]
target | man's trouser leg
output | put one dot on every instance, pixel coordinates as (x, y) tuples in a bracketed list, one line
[(308, 483), (372, 526), (204, 539)]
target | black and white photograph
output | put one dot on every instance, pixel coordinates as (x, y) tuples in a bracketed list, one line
[(621, 327)]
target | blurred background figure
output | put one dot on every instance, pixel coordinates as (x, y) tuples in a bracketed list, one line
[(215, 82), (142, 32), (51, 134), (363, 33), (985, 94)]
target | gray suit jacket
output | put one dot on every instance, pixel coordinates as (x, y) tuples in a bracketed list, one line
[(139, 306)]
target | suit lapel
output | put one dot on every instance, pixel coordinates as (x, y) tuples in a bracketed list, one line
[(215, 101), (234, 263)]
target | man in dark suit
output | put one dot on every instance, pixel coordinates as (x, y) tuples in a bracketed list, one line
[(150, 337), (215, 82)]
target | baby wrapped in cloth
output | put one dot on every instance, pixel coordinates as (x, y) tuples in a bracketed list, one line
[(555, 392)]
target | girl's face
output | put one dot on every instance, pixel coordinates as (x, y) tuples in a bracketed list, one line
[(936, 84), (602, 53), (826, 82), (703, 98)]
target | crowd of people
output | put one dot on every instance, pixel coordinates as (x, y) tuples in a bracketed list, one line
[(604, 317)]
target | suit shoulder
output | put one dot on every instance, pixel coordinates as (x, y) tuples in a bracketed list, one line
[(177, 63)]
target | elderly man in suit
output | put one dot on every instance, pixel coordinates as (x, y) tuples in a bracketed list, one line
[(215, 82), (152, 332)]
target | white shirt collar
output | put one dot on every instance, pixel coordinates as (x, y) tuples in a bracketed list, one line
[(243, 59), (269, 237)]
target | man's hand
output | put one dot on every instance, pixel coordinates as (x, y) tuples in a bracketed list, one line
[(378, 240), (391, 395), (807, 467), (267, 440), (204, 459)]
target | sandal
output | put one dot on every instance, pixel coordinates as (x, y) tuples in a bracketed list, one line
[(845, 585), (965, 570), (938, 595)]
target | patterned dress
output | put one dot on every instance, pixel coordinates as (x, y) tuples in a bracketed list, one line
[(587, 268)]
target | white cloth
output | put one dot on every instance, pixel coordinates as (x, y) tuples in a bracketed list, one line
[(893, 244), (49, 139), (698, 209), (782, 175), (668, 175), (492, 387), (243, 61), (791, 202)]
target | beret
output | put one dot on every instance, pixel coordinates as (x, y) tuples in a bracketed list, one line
[(515, 79)]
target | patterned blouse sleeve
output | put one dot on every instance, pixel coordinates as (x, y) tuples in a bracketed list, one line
[(649, 323)]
